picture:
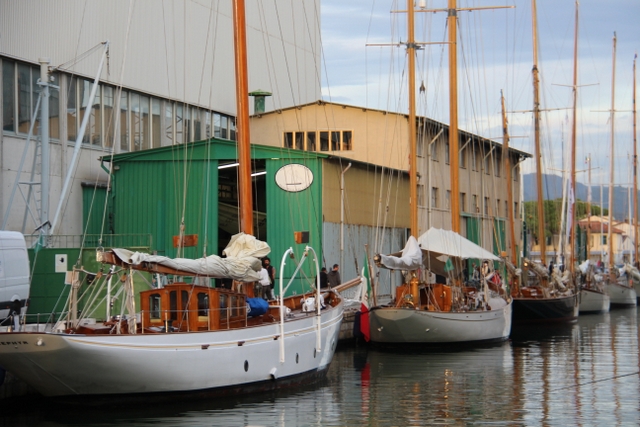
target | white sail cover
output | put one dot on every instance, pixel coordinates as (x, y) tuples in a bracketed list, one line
[(242, 260), (409, 259), (449, 243)]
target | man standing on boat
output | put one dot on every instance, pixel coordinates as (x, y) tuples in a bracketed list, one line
[(334, 276), (266, 264)]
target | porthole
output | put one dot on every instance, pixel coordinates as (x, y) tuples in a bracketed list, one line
[(246, 366), (297, 357)]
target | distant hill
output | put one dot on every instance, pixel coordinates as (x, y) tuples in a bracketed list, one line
[(552, 187)]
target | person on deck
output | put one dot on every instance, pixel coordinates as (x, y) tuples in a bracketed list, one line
[(334, 276), (266, 264), (324, 278)]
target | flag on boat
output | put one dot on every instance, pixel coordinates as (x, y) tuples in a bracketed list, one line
[(364, 300)]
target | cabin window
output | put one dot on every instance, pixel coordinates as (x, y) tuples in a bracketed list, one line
[(154, 306), (173, 305), (184, 296), (223, 306), (288, 140), (234, 306), (203, 304)]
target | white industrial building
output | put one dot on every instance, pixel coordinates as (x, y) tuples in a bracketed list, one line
[(166, 78)]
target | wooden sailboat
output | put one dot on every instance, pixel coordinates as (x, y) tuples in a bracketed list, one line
[(542, 296), (187, 337), (620, 287), (593, 295), (426, 313)]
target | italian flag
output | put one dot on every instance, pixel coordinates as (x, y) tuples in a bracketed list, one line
[(364, 300)]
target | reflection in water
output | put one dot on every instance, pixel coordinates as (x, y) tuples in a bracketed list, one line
[(585, 373)]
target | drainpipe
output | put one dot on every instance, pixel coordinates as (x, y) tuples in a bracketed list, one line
[(342, 215)]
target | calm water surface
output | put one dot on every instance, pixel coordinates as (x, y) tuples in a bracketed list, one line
[(584, 374)]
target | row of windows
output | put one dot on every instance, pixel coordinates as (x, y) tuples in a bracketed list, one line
[(134, 121), (494, 160), (474, 208), (324, 140)]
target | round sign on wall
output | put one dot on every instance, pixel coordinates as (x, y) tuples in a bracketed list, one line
[(294, 177)]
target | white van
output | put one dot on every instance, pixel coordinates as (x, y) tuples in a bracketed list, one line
[(14, 273)]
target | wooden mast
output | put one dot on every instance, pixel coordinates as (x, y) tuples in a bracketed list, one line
[(536, 120), (413, 164), (245, 199), (453, 116), (572, 258), (635, 171), (611, 162), (507, 168)]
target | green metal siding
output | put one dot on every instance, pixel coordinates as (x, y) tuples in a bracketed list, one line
[(149, 193), (93, 209), (289, 212)]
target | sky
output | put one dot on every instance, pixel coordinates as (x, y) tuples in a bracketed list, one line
[(495, 54)]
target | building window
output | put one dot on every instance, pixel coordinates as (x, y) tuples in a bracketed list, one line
[(515, 209), (324, 141), (604, 239), (434, 151), (434, 197), (463, 202), (311, 141), (486, 206), (487, 164), (506, 208), (299, 139), (421, 195), (474, 161), (497, 207), (288, 140), (476, 208), (516, 173), (497, 164), (335, 141), (124, 122), (447, 200), (8, 96), (446, 153), (346, 140), (463, 158)]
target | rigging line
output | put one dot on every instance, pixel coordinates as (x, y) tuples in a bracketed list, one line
[(77, 59), (118, 98)]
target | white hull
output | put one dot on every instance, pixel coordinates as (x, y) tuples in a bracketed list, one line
[(62, 364), (592, 301), (622, 295), (396, 325)]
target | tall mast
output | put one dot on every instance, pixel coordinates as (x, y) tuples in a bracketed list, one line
[(611, 162), (507, 168), (572, 258), (453, 116), (245, 199), (413, 164), (536, 123), (635, 171)]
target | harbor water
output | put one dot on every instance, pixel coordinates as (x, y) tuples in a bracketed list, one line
[(586, 374)]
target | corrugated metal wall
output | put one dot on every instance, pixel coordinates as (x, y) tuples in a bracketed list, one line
[(179, 50)]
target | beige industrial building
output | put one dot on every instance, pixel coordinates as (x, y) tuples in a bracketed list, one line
[(369, 150)]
